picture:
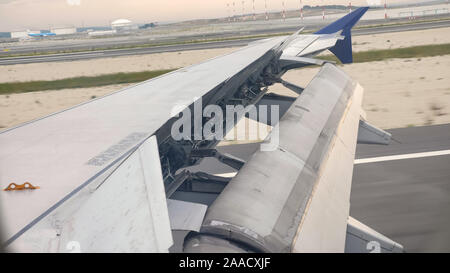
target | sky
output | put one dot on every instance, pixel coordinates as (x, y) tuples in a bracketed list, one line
[(43, 14)]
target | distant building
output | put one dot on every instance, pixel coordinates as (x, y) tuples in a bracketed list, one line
[(64, 30), (121, 25), (5, 34), (32, 33), (150, 25), (102, 32)]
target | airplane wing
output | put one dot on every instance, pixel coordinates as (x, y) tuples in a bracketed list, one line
[(295, 198), (108, 170)]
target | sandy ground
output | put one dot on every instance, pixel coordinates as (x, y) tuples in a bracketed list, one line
[(398, 92), (60, 70), (401, 39), (19, 108)]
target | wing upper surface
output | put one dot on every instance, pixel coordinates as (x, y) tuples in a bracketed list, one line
[(64, 151)]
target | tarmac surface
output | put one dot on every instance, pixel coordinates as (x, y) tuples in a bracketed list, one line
[(405, 197)]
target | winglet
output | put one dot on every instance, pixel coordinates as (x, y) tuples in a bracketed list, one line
[(343, 48)]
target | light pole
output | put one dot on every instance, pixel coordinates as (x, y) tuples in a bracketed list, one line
[(234, 12), (265, 7), (243, 10), (323, 11), (385, 10), (301, 10)]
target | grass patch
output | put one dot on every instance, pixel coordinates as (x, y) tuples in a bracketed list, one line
[(408, 52), (80, 82)]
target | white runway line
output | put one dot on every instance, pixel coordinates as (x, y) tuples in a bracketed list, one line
[(377, 159), (399, 157)]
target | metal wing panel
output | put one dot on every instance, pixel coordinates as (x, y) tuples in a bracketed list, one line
[(65, 151), (126, 212), (185, 215), (363, 239), (299, 44), (323, 43), (323, 228), (269, 199), (306, 45)]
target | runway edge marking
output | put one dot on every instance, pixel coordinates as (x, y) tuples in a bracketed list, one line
[(400, 157)]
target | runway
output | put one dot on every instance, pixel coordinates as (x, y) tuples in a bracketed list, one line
[(198, 46), (406, 199)]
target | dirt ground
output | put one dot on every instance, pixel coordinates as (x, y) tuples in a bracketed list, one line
[(169, 60), (398, 92)]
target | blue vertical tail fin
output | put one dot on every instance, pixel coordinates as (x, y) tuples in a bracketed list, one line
[(343, 48)]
